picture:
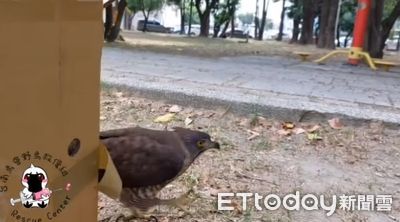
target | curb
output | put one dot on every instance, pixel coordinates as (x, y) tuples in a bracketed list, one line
[(272, 105)]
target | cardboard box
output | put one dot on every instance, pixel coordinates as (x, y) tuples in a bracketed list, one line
[(50, 54)]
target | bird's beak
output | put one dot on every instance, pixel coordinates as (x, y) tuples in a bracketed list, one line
[(215, 145)]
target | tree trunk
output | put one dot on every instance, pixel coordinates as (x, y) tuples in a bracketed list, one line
[(128, 19), (204, 24), (281, 24), (296, 24), (387, 25), (146, 19), (374, 34), (205, 15), (232, 14), (346, 39), (224, 29), (217, 28), (296, 30), (256, 21), (114, 32), (182, 9), (338, 37), (131, 20), (109, 20), (326, 37), (307, 30), (263, 20), (398, 44)]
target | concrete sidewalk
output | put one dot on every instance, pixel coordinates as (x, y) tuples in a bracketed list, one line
[(281, 87)]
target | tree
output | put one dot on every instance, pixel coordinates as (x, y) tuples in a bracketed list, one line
[(256, 20), (326, 36), (182, 9), (204, 8), (232, 12), (346, 21), (224, 13), (295, 12), (112, 28), (263, 20), (247, 18), (129, 15), (309, 13), (380, 26), (221, 16), (146, 7), (281, 24), (195, 17)]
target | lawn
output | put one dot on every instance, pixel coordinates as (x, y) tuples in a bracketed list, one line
[(210, 47)]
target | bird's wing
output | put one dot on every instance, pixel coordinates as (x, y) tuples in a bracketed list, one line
[(145, 160), (117, 132)]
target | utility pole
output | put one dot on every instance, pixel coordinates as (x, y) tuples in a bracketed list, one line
[(190, 18)]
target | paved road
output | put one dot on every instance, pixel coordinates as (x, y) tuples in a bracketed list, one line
[(266, 81)]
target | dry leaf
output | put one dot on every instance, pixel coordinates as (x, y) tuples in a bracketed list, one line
[(165, 118), (335, 123), (119, 94), (284, 132), (258, 129), (244, 122), (253, 135), (188, 121), (313, 129), (175, 109), (288, 125), (298, 131), (237, 208), (314, 136), (264, 122)]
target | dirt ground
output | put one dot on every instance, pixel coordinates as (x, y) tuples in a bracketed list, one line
[(257, 156), (210, 47)]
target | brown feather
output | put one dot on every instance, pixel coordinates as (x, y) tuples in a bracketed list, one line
[(145, 157)]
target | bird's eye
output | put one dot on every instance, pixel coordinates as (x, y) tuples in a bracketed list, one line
[(200, 144), (27, 176)]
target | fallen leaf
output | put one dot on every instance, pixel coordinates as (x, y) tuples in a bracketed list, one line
[(284, 132), (165, 118), (258, 129), (119, 94), (298, 131), (175, 109), (313, 129), (264, 122), (335, 123), (244, 122), (314, 136), (237, 208), (288, 125), (253, 135), (188, 121)]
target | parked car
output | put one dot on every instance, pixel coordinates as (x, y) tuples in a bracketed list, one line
[(153, 26), (237, 34), (391, 44)]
